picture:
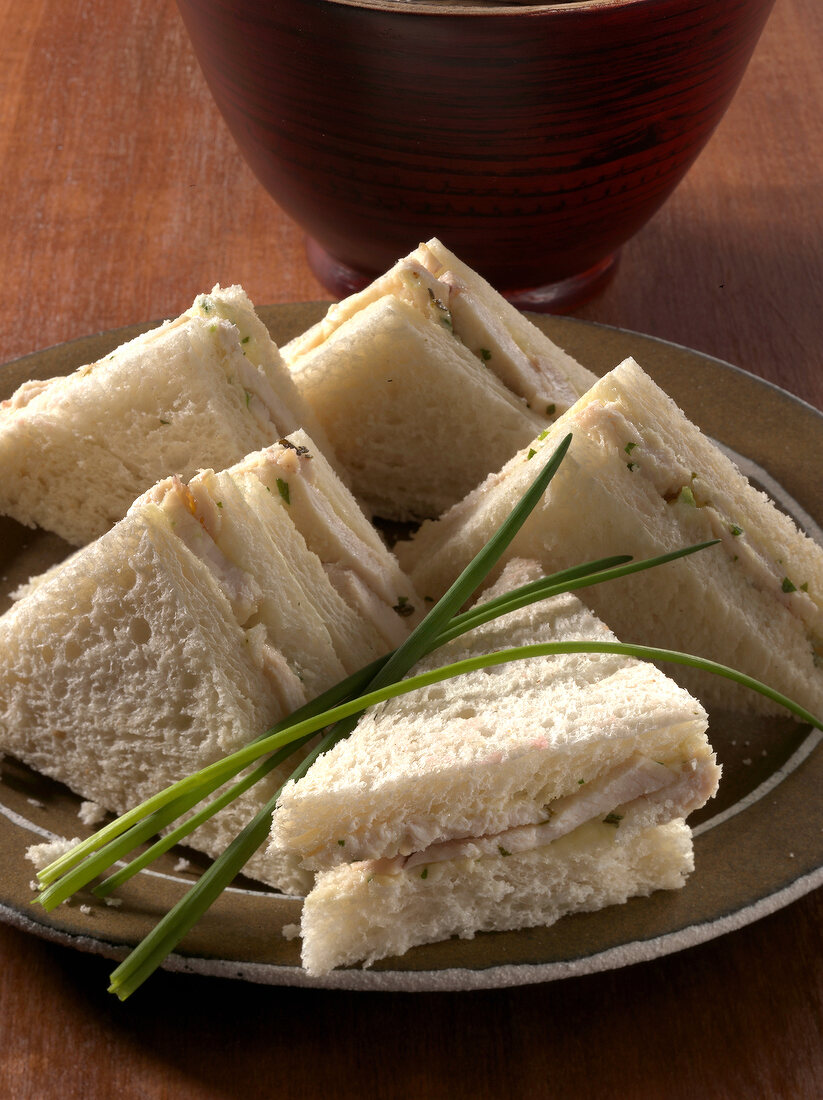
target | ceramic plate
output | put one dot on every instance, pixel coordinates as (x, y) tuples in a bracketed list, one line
[(757, 847)]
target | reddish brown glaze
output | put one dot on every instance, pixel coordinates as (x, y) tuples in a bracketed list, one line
[(534, 142)]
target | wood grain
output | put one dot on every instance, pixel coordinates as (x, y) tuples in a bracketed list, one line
[(123, 197)]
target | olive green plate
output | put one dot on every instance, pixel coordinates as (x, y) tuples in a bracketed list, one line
[(753, 853)]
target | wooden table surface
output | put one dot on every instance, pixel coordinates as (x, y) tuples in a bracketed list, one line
[(122, 197)]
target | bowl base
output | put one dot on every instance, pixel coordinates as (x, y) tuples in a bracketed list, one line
[(558, 297), (566, 294)]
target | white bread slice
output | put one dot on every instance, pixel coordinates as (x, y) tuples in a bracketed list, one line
[(488, 752), (355, 914), (429, 360), (192, 626), (202, 390), (390, 386), (640, 479)]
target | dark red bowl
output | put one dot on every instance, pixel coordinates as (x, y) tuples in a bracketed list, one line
[(533, 140)]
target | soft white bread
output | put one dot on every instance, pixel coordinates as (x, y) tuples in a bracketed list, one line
[(640, 479), (356, 914), (417, 417), (494, 753), (199, 620), (202, 390), (428, 379)]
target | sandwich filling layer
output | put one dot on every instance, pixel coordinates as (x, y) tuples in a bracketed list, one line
[(507, 758), (641, 791)]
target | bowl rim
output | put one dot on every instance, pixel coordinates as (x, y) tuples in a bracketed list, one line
[(468, 8)]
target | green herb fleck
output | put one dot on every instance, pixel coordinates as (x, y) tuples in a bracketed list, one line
[(612, 819), (445, 315), (631, 467), (485, 354), (219, 503), (804, 586), (686, 496), (503, 851), (580, 782), (342, 843), (735, 530), (245, 340), (629, 448), (531, 454), (283, 490), (788, 586), (424, 873), (403, 607), (205, 304), (248, 397), (162, 421), (551, 409), (543, 435)]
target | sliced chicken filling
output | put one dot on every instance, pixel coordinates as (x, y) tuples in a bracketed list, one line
[(408, 280), (191, 523), (194, 521), (354, 569), (652, 458), (637, 785), (531, 377)]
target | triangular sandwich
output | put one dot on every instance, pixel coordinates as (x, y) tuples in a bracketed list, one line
[(212, 610), (427, 380), (199, 391), (503, 799), (641, 479)]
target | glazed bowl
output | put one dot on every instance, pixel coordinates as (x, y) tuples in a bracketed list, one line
[(534, 140)]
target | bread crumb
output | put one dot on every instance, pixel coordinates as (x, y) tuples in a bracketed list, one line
[(85, 909), (36, 803), (41, 855), (90, 813), (182, 865), (115, 903), (747, 761), (291, 931)]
